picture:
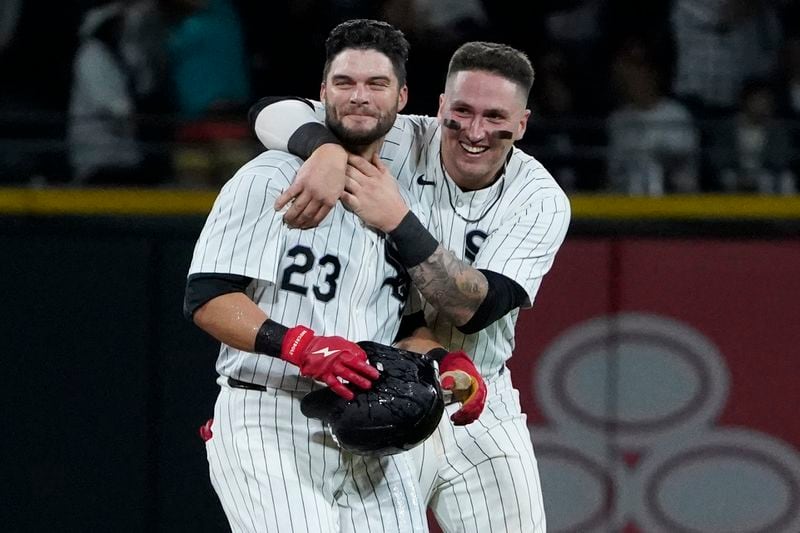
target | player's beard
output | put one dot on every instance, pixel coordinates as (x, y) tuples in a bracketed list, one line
[(357, 141)]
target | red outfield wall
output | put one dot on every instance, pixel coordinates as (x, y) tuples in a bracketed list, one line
[(661, 379)]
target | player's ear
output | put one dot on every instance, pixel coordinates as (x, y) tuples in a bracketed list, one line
[(322, 92), (523, 125), (440, 113), (402, 98)]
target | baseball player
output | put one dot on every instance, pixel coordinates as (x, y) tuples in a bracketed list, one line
[(496, 221), (283, 303)]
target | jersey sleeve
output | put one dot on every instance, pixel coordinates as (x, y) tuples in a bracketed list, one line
[(275, 124), (243, 234), (405, 144), (524, 247)]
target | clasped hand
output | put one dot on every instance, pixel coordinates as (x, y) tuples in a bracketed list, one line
[(371, 192)]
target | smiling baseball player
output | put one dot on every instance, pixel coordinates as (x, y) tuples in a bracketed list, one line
[(283, 303), (493, 221)]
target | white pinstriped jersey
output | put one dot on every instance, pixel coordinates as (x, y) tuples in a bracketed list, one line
[(519, 225), (514, 228), (337, 279), (483, 476)]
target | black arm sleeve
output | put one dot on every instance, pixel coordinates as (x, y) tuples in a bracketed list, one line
[(256, 108), (201, 288), (308, 138), (504, 294), (413, 241)]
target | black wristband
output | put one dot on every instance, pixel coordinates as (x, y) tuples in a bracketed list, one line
[(413, 241), (269, 339), (308, 138), (503, 295), (437, 354)]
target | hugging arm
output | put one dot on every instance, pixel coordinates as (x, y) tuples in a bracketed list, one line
[(468, 297), (294, 125)]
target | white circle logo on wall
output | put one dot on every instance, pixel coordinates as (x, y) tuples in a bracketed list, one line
[(631, 444)]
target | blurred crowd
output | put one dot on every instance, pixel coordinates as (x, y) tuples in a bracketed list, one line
[(632, 97)]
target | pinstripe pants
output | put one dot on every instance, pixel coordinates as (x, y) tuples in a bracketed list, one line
[(484, 476), (276, 470)]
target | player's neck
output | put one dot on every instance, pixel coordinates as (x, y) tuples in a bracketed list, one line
[(368, 150), (473, 182)]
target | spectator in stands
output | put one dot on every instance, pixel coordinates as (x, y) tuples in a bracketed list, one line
[(720, 43), (791, 76), (145, 52), (578, 30), (208, 60), (567, 142), (790, 95), (10, 11), (653, 143), (211, 81), (112, 74), (38, 39), (751, 152)]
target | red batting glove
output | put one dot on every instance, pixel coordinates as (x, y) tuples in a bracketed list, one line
[(328, 359), (472, 397)]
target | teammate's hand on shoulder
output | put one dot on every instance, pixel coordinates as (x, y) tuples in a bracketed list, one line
[(328, 359), (316, 188), (459, 375), (372, 193)]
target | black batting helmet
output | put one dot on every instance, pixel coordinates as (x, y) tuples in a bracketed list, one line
[(401, 410)]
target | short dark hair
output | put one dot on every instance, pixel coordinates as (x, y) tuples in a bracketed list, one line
[(367, 34), (496, 58)]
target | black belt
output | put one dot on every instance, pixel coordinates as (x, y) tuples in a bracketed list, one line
[(236, 384)]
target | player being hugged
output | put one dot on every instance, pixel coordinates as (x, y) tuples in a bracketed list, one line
[(283, 303)]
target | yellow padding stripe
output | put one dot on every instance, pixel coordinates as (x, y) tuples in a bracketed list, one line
[(67, 201), (104, 202), (686, 207)]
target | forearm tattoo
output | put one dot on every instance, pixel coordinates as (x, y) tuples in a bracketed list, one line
[(453, 287)]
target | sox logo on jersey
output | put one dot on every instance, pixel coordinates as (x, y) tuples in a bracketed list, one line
[(472, 244)]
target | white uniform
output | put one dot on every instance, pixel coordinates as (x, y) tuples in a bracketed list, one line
[(273, 468), (483, 476)]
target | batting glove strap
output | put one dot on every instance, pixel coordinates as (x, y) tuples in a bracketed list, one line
[(472, 405), (295, 342)]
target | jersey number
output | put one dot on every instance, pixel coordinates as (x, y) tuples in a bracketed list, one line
[(331, 274)]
